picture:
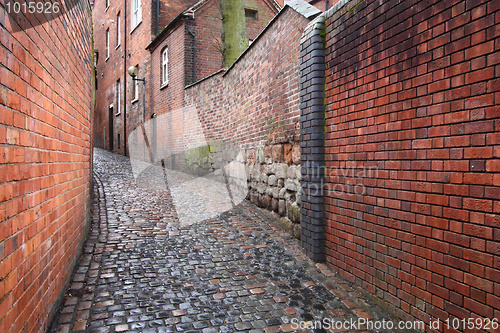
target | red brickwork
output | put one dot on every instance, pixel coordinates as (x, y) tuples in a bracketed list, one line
[(111, 69), (257, 100), (187, 54), (206, 28), (412, 154), (45, 162)]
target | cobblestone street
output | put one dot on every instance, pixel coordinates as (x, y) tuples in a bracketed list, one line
[(141, 270)]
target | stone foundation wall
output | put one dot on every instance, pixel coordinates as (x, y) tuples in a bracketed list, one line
[(273, 174), (272, 179)]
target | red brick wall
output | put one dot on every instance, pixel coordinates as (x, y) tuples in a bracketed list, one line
[(108, 71), (175, 132), (207, 26), (413, 100), (256, 101), (45, 162), (167, 100)]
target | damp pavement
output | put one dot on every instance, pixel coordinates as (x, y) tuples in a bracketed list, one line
[(142, 270)]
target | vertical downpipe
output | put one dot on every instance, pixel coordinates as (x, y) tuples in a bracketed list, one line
[(125, 78)]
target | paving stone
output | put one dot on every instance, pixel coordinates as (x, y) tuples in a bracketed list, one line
[(143, 270)]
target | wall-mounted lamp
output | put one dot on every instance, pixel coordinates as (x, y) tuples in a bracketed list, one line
[(133, 71)]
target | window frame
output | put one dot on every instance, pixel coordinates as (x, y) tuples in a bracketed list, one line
[(164, 67), (136, 13), (118, 97), (251, 13), (135, 88), (107, 44), (118, 29)]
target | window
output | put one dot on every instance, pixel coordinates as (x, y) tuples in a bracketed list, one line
[(118, 97), (119, 141), (118, 30), (164, 67), (135, 92), (136, 7), (107, 44), (251, 13)]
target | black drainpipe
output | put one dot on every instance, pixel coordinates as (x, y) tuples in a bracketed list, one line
[(125, 74), (194, 47), (157, 28)]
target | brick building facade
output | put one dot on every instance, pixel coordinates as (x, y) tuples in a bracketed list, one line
[(121, 31), (192, 31), (191, 43), (45, 160)]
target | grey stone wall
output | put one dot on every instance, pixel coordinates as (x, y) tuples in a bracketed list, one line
[(274, 175)]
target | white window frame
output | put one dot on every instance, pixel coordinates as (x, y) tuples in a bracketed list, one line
[(136, 8), (136, 91), (107, 44), (118, 97), (164, 67), (118, 29)]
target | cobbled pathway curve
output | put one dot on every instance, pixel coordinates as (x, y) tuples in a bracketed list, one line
[(142, 271)]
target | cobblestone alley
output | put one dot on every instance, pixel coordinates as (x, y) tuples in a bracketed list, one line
[(143, 271)]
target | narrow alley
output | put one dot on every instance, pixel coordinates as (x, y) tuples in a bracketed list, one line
[(143, 271)]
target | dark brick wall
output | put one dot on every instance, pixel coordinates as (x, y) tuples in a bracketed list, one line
[(412, 186), (45, 161), (312, 138)]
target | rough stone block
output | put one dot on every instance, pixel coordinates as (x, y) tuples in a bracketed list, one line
[(281, 171), (287, 153), (282, 207), (250, 156), (291, 185), (263, 178), (292, 172), (294, 213), (260, 154), (268, 151), (272, 180), (277, 153), (296, 153), (274, 204)]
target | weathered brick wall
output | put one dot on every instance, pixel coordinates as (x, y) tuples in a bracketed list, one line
[(258, 102), (208, 28), (113, 68), (45, 161), (254, 106), (412, 153), (166, 101), (107, 76)]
